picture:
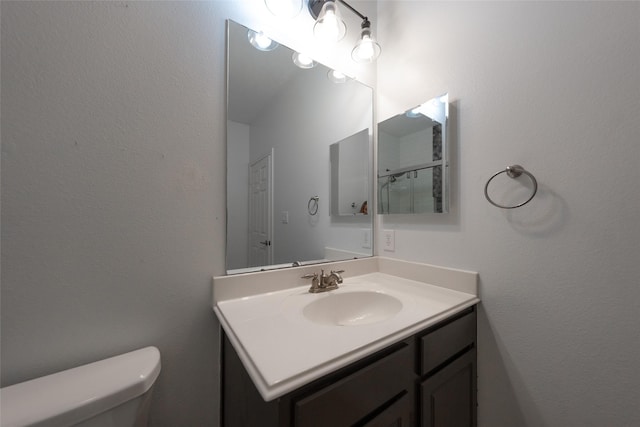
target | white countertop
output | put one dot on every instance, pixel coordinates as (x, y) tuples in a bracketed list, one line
[(283, 350)]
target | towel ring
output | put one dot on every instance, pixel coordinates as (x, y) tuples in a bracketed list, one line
[(513, 171), (312, 206)]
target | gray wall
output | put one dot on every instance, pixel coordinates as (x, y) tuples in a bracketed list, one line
[(555, 87), (113, 185), (238, 200), (112, 122)]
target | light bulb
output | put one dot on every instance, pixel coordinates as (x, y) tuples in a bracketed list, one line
[(260, 41), (263, 41), (302, 60), (329, 26), (367, 49), (337, 76), (328, 30)]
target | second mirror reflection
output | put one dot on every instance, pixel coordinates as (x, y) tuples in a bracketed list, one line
[(413, 166)]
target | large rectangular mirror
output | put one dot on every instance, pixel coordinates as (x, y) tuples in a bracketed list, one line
[(281, 123), (413, 160)]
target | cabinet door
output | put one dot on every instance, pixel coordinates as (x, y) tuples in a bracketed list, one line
[(398, 414), (449, 397)]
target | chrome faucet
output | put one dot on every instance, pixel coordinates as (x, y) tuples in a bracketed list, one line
[(324, 282)]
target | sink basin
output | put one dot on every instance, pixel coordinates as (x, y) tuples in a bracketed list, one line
[(352, 308)]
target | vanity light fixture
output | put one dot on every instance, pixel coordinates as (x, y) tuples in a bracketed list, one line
[(329, 25), (284, 8), (302, 60), (260, 41)]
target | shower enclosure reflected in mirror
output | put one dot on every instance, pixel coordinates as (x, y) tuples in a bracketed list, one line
[(281, 122), (413, 163)]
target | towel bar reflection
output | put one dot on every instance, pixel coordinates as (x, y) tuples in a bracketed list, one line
[(513, 171), (312, 206)]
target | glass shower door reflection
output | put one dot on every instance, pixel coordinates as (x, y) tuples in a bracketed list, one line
[(410, 192), (422, 183), (400, 194)]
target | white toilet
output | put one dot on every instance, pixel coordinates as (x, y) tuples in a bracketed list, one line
[(114, 392)]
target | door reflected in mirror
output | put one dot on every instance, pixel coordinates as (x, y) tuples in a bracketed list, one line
[(350, 175), (413, 160), (281, 122)]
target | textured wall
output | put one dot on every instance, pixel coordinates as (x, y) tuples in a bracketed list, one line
[(113, 186), (238, 201), (111, 230), (555, 87)]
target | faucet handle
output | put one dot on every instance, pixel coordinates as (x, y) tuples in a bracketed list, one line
[(316, 284), (337, 274)]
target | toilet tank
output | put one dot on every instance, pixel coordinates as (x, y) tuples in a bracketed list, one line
[(78, 394)]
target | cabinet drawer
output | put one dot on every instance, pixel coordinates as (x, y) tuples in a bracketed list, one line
[(441, 344), (352, 398)]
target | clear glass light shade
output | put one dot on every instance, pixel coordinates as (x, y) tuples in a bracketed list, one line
[(260, 41), (302, 60), (337, 77), (284, 8), (329, 26), (367, 49)]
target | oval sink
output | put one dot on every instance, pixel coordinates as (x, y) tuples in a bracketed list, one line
[(352, 308)]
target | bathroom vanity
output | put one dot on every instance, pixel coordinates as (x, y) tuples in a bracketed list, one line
[(291, 358), (428, 379)]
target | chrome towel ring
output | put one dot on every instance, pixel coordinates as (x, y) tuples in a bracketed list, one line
[(312, 206), (513, 171)]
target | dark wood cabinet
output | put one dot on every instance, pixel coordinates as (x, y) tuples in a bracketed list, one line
[(448, 398), (398, 414), (448, 373), (428, 379)]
